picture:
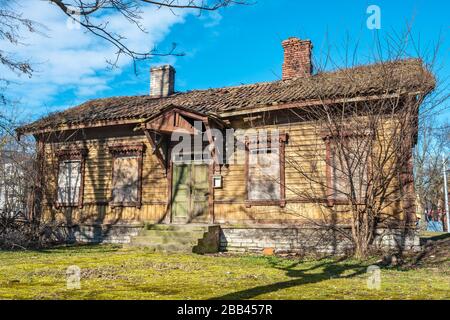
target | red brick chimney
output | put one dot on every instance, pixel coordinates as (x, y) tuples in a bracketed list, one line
[(297, 58)]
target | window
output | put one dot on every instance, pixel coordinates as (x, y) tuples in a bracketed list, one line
[(126, 181), (347, 169), (264, 174), (265, 183), (126, 175), (70, 177), (69, 182)]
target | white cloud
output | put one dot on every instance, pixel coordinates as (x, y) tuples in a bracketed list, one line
[(212, 19), (71, 59)]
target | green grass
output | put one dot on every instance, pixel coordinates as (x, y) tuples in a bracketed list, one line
[(109, 272)]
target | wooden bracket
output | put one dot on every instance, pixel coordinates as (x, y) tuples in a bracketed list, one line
[(156, 147)]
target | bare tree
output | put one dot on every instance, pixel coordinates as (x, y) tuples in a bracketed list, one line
[(17, 176), (358, 168), (433, 144), (90, 14), (12, 26)]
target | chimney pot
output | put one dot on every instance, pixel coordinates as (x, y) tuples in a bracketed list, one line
[(162, 81), (297, 58)]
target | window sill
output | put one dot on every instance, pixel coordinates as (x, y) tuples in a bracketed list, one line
[(280, 203)]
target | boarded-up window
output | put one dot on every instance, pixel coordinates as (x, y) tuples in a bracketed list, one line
[(69, 182), (125, 188), (264, 174), (349, 165)]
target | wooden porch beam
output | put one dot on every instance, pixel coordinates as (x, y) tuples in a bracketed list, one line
[(156, 149)]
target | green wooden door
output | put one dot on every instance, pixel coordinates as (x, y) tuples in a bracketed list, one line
[(181, 192), (199, 192), (190, 193)]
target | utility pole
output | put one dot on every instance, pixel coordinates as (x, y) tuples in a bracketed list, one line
[(444, 162)]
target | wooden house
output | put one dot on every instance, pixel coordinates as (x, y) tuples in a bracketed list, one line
[(108, 168)]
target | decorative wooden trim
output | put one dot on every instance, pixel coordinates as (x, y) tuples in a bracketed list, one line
[(81, 195), (75, 154), (246, 169), (180, 110), (329, 174), (283, 139), (131, 149), (71, 153), (128, 150)]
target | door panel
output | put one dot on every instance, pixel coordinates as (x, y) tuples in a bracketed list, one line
[(181, 192), (190, 192), (200, 191)]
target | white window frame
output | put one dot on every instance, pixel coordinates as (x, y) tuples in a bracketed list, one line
[(73, 188)]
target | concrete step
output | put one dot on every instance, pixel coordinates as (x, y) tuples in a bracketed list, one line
[(178, 238)]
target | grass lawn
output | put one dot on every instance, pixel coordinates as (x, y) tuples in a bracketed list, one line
[(110, 272)]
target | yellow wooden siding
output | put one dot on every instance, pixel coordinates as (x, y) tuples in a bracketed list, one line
[(305, 145), (97, 185)]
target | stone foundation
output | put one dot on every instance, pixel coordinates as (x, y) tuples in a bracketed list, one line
[(251, 239), (308, 240), (120, 234)]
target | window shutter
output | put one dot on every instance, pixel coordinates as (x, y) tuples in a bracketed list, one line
[(126, 180), (264, 174), (62, 182), (75, 181), (349, 166)]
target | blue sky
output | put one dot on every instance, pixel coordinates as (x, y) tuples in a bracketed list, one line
[(237, 45)]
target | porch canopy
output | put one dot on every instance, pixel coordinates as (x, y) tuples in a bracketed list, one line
[(171, 119)]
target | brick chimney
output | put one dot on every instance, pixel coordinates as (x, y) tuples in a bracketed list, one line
[(162, 81), (297, 58)]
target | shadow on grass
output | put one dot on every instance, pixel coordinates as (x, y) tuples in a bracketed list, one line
[(330, 269), (82, 247)]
